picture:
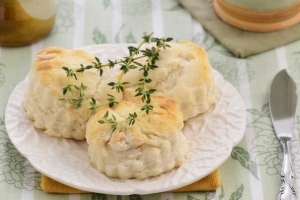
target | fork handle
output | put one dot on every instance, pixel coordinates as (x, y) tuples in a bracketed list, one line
[(287, 190)]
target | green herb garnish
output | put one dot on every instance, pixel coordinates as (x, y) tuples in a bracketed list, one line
[(126, 64)]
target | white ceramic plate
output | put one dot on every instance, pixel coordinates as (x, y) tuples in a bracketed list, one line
[(211, 136)]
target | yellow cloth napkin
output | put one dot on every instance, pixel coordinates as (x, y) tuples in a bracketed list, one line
[(208, 183)]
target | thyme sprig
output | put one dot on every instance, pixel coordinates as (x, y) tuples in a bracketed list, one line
[(126, 64), (112, 121), (76, 103), (111, 101)]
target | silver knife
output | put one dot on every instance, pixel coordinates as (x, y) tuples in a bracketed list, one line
[(283, 106)]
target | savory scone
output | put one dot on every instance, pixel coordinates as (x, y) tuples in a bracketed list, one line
[(154, 144), (183, 74), (46, 82)]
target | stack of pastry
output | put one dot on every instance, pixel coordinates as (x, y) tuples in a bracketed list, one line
[(155, 143)]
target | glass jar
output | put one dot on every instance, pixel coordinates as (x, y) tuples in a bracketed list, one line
[(25, 21)]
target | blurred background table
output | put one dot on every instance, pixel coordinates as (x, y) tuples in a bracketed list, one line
[(252, 172)]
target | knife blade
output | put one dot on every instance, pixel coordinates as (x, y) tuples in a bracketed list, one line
[(283, 105)]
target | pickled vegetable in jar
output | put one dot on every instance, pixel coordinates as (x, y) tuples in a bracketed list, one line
[(25, 21)]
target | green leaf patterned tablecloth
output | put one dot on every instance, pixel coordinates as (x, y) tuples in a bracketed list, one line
[(253, 170)]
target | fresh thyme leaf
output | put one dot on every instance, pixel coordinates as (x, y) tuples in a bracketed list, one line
[(76, 103), (145, 73), (98, 61), (110, 121), (133, 50), (81, 69), (66, 69), (105, 115), (146, 37), (112, 100), (147, 80), (147, 108), (147, 52), (74, 75), (132, 67), (154, 39), (124, 68), (66, 89), (131, 118), (111, 83), (70, 72), (152, 91), (138, 64), (93, 106), (111, 64), (101, 72), (111, 104), (153, 66), (82, 87), (113, 127), (117, 86)]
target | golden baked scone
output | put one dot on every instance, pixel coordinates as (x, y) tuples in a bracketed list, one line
[(183, 74), (153, 145), (46, 82)]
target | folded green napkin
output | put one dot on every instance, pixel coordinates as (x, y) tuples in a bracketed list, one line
[(240, 42)]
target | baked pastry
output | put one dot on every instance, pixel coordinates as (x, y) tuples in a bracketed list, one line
[(46, 80), (183, 74), (153, 145)]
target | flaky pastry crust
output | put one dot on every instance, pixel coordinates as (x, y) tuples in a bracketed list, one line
[(153, 145), (183, 74), (46, 80)]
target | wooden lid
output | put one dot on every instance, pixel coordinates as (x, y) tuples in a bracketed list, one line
[(255, 20)]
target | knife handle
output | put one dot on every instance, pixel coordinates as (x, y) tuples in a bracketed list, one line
[(287, 190)]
